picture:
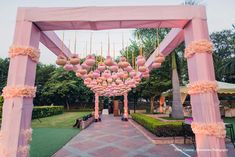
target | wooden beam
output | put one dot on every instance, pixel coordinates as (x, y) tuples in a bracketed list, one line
[(173, 39), (54, 43), (110, 17)]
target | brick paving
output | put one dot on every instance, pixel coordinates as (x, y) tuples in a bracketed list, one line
[(115, 138)]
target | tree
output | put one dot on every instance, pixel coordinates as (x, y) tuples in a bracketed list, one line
[(224, 54), (148, 38), (4, 64), (64, 88), (177, 108), (43, 74), (157, 83), (227, 70)]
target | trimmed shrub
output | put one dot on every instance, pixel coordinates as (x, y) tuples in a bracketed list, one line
[(43, 111), (80, 110), (157, 127), (46, 111)]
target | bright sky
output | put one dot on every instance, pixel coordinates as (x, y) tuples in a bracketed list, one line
[(221, 15)]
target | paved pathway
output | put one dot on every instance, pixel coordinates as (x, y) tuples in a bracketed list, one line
[(114, 138)]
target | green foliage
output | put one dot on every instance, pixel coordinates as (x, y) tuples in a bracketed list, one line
[(43, 111), (224, 54), (46, 111), (65, 120), (192, 2), (43, 74), (64, 88), (4, 64), (159, 128), (1, 100)]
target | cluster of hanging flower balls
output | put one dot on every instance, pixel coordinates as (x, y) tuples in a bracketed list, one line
[(109, 78)]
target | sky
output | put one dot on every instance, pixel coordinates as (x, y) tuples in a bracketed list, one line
[(220, 15)]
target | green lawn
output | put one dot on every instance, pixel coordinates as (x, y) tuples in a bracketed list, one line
[(52, 133), (65, 120)]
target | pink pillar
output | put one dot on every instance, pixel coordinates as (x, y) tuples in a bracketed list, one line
[(125, 106), (205, 106), (17, 111), (97, 107)]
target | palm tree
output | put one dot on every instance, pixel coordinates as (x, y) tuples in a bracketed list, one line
[(177, 108), (227, 70)]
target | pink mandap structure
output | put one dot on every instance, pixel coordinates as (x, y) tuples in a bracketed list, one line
[(34, 25)]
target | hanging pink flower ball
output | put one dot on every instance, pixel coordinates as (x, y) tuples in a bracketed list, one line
[(101, 67), (122, 59), (90, 75), (74, 59), (146, 71), (118, 81), (114, 76), (109, 80), (114, 67), (102, 78), (159, 59), (85, 66), (132, 73), (128, 68), (125, 75), (75, 68), (108, 61), (99, 80), (96, 74), (61, 60), (142, 69), (145, 75), (125, 64), (156, 65), (90, 60), (140, 61), (78, 74), (84, 76), (68, 67), (82, 71)]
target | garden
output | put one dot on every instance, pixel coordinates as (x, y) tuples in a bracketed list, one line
[(163, 53)]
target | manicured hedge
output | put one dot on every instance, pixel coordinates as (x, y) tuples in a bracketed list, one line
[(46, 111), (0, 111), (43, 111), (157, 127)]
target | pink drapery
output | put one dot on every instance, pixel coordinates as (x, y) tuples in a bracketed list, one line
[(126, 106)]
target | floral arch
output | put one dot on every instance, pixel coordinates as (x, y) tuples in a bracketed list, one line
[(34, 25)]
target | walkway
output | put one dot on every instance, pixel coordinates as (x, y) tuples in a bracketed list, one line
[(114, 138)]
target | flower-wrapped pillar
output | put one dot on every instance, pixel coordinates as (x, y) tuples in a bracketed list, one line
[(97, 116), (19, 91), (125, 115), (207, 124)]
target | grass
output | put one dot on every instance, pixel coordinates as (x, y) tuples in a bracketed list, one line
[(47, 141), (52, 133), (65, 120)]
